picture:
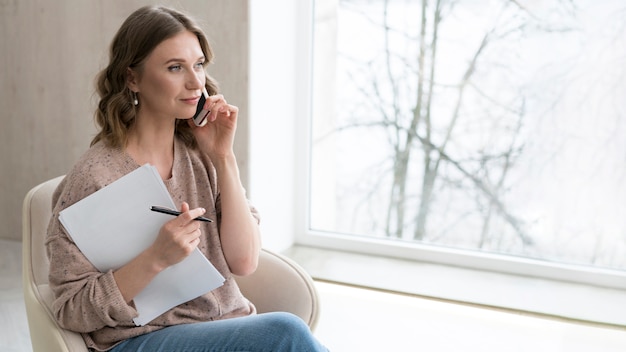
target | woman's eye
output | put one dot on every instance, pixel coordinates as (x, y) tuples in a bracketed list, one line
[(199, 65), (174, 68)]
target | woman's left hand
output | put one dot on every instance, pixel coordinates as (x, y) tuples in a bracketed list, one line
[(216, 138), (239, 230)]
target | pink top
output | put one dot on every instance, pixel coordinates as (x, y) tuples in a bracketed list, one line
[(88, 301)]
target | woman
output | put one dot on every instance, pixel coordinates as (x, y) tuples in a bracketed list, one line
[(148, 92)]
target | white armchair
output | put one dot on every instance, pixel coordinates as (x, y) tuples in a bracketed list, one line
[(279, 284)]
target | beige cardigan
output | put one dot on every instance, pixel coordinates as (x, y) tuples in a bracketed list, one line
[(88, 301)]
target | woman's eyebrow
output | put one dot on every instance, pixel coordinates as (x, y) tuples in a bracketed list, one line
[(174, 60), (201, 58)]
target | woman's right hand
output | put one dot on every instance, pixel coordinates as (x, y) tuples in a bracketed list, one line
[(175, 241), (177, 237)]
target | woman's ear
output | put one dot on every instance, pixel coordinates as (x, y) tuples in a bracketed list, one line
[(132, 79)]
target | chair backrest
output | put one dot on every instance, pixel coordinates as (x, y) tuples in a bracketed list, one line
[(46, 334), (37, 213), (279, 284)]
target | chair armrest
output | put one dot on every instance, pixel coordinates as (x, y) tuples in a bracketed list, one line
[(280, 284)]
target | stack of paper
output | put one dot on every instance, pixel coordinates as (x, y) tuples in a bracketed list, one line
[(115, 224)]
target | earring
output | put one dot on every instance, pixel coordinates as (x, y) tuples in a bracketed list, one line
[(135, 101)]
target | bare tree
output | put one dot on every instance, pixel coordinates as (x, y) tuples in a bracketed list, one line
[(423, 138)]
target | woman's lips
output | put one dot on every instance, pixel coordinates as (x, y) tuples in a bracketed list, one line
[(191, 101)]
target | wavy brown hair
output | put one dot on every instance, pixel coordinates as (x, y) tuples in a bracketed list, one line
[(142, 31)]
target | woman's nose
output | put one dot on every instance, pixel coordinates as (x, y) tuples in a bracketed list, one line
[(196, 80)]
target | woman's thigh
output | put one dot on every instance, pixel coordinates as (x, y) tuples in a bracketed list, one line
[(263, 332)]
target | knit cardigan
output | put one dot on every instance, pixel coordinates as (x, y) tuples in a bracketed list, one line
[(88, 301)]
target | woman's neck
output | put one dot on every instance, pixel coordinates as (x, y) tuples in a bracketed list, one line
[(153, 144)]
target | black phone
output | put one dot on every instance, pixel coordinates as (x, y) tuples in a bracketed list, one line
[(200, 117)]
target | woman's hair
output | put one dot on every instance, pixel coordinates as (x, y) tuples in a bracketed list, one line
[(142, 31)]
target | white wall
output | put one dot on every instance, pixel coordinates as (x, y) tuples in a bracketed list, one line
[(50, 52), (276, 111)]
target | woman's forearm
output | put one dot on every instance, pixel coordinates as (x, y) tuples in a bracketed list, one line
[(133, 277), (239, 230)]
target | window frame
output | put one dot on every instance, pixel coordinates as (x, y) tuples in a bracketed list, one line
[(404, 250)]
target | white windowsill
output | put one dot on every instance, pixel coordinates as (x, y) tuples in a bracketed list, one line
[(528, 295)]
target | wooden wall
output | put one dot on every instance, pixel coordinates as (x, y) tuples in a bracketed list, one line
[(50, 52)]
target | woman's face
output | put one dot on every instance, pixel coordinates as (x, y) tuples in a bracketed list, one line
[(170, 82)]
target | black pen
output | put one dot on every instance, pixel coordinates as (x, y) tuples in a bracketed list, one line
[(169, 211)]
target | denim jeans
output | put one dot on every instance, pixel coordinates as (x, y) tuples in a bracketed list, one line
[(268, 332)]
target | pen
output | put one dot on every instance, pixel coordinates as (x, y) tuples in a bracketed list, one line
[(169, 211)]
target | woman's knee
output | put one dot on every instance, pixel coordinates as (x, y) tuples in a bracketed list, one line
[(285, 321), (293, 332)]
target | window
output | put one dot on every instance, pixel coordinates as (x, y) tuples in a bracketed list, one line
[(471, 129)]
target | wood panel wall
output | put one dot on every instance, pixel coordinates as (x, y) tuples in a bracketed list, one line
[(50, 52)]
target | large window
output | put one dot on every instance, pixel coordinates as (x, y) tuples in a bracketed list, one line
[(491, 127)]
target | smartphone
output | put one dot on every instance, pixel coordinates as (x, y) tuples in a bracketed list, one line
[(201, 115)]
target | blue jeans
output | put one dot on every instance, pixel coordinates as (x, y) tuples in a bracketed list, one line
[(271, 332)]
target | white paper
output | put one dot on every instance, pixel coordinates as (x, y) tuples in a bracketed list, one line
[(115, 224)]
